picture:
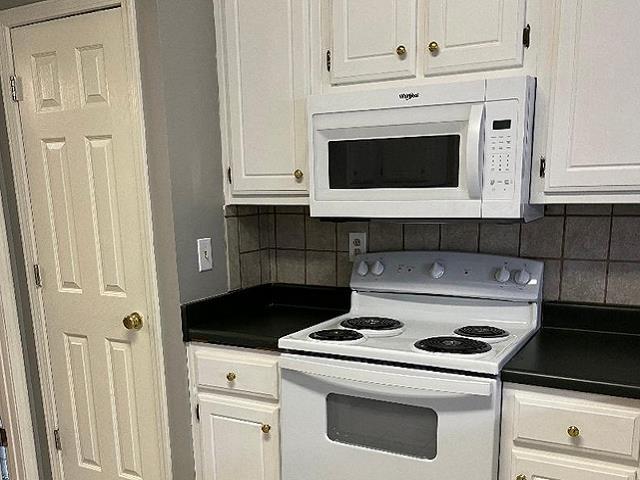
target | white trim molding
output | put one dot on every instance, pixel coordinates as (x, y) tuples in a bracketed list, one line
[(15, 409), (40, 12)]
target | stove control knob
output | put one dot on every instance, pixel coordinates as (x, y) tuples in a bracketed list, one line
[(522, 277), (437, 270), (502, 274), (377, 268), (363, 268)]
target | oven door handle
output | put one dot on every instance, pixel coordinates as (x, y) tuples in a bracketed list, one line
[(475, 150), (377, 380)]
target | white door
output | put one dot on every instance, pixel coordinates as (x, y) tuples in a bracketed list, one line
[(239, 439), (594, 120), (264, 80), (463, 36), (86, 198), (373, 40), (542, 466)]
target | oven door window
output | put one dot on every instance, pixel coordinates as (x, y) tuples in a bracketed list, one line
[(407, 162), (391, 427)]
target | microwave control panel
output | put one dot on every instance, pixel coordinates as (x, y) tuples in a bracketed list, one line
[(501, 150)]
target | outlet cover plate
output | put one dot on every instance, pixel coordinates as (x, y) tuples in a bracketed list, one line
[(357, 244)]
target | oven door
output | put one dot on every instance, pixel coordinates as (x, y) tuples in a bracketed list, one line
[(345, 420), (411, 161)]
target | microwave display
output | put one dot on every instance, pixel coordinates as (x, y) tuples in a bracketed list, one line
[(406, 162)]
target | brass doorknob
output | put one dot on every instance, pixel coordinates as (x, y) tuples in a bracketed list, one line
[(521, 477), (132, 321), (265, 428), (433, 47), (573, 431), (401, 50), (231, 376), (298, 174)]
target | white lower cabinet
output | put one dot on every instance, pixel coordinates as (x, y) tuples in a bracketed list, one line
[(236, 422), (239, 439), (550, 434)]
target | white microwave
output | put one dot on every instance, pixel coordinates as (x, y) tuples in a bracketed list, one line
[(444, 151)]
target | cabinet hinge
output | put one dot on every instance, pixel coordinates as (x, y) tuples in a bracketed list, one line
[(526, 36), (4, 441), (543, 167), (56, 438), (37, 275), (229, 174), (328, 60), (16, 88), (198, 412)]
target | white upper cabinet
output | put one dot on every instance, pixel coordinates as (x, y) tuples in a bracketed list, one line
[(594, 121), (463, 35), (263, 70), (373, 40)]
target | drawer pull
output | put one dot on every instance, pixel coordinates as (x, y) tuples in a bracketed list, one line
[(401, 50), (521, 477), (573, 431), (231, 376), (266, 428)]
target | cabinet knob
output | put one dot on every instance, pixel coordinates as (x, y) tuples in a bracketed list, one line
[(401, 50), (521, 477), (266, 428), (298, 174), (433, 47), (133, 321), (573, 431), (231, 376)]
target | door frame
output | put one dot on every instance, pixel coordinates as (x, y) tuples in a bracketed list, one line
[(37, 13), (14, 393)]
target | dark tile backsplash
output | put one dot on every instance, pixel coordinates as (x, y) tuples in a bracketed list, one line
[(591, 252)]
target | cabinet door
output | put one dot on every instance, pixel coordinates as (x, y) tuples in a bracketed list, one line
[(477, 35), (368, 36), (594, 120), (540, 466), (234, 445), (264, 79)]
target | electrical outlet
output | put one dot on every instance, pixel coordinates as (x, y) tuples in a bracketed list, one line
[(357, 244), (205, 257)]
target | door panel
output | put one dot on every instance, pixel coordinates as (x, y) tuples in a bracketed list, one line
[(594, 120), (234, 444), (366, 34), (266, 68), (478, 35), (86, 196)]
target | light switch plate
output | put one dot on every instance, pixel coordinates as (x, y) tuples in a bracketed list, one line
[(205, 256), (357, 244)]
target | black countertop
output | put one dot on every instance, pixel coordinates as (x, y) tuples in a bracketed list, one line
[(587, 348), (257, 317)]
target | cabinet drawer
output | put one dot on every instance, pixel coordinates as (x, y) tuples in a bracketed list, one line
[(599, 428), (237, 371), (542, 466)]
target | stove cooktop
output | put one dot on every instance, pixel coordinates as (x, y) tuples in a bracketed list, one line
[(404, 316)]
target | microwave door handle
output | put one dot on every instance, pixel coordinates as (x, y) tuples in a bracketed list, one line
[(475, 150)]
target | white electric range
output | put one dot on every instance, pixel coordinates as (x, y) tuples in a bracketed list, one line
[(406, 384)]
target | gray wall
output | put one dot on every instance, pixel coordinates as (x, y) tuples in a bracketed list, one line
[(188, 64)]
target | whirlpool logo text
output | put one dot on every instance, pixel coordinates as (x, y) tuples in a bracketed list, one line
[(408, 96)]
